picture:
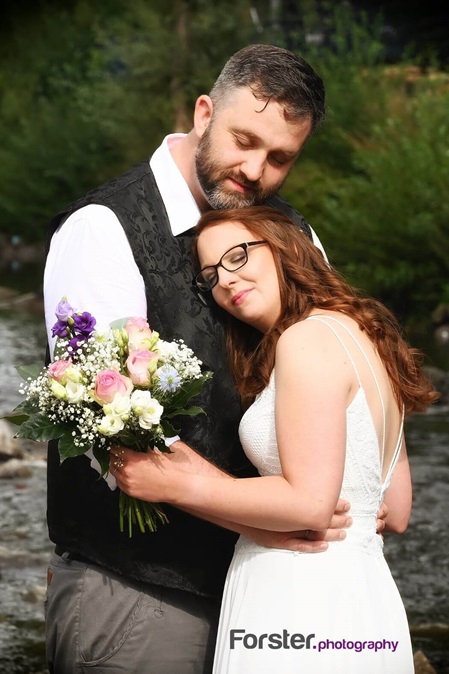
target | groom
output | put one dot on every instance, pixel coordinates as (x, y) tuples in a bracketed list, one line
[(151, 603)]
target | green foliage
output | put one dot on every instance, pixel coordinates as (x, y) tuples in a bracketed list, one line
[(385, 222), (372, 181), (39, 428), (89, 90), (393, 210)]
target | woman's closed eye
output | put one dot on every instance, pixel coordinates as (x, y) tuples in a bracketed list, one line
[(209, 274), (236, 258)]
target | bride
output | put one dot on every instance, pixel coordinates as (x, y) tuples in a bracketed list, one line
[(326, 379)]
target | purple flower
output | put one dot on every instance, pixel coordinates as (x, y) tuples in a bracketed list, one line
[(75, 342), (83, 324), (60, 329), (64, 310)]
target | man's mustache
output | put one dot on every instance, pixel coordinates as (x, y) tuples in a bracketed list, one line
[(242, 180)]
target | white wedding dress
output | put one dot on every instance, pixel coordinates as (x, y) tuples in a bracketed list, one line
[(344, 602)]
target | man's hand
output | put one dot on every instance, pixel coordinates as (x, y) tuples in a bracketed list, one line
[(381, 517), (308, 540)]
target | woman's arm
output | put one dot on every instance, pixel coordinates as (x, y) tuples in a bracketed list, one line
[(301, 541), (399, 495), (313, 382)]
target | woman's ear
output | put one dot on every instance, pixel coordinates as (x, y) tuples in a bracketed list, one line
[(202, 114)]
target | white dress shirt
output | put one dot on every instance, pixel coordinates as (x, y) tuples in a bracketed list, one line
[(91, 252)]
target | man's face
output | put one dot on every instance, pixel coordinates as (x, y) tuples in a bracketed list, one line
[(244, 156)]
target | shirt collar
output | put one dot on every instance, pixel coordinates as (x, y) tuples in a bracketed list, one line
[(182, 210)]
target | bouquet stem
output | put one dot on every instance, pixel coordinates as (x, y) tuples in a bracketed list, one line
[(140, 513)]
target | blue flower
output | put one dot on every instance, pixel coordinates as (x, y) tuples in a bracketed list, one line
[(169, 379)]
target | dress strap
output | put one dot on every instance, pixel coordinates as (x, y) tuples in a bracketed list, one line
[(397, 450), (325, 319), (322, 320)]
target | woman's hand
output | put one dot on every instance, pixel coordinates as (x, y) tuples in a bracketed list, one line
[(143, 475)]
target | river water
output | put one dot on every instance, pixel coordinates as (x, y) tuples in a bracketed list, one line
[(418, 559)]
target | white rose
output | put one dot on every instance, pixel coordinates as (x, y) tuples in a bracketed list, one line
[(120, 407), (151, 415), (110, 425), (74, 391), (140, 401)]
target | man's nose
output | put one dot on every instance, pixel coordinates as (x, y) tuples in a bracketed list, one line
[(253, 166)]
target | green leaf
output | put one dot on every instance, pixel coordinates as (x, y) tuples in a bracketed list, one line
[(39, 428), (188, 390), (67, 447), (129, 438), (25, 407), (21, 413), (16, 419), (191, 412), (162, 447), (33, 370), (119, 323), (168, 430)]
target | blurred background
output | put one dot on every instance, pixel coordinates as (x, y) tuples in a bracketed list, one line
[(89, 89)]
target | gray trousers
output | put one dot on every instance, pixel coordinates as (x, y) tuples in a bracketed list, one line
[(98, 621)]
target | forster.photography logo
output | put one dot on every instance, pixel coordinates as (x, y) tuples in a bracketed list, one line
[(240, 638)]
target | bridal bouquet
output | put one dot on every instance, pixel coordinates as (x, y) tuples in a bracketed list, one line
[(123, 387)]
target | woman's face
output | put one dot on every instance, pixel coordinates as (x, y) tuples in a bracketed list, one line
[(251, 293)]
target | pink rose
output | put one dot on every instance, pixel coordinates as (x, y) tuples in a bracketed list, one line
[(56, 370), (138, 364), (139, 333), (110, 383)]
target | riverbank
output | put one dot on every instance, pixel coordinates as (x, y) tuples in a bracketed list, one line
[(417, 559)]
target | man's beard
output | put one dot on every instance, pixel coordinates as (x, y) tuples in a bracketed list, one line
[(211, 178)]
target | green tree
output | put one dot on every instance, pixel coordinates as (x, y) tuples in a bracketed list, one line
[(88, 91), (372, 180)]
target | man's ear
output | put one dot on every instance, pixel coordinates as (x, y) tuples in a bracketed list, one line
[(202, 114)]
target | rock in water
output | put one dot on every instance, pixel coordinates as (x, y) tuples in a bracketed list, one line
[(9, 446)]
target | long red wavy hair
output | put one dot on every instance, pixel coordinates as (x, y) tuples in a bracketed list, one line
[(308, 282)]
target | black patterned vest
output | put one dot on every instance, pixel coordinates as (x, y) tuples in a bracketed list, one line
[(188, 553)]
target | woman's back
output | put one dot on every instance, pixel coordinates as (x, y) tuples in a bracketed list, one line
[(344, 599)]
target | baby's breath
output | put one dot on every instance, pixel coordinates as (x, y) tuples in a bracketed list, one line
[(66, 394)]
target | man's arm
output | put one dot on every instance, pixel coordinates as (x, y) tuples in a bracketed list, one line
[(91, 263)]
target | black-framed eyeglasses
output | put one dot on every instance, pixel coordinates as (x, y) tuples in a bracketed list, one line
[(234, 259)]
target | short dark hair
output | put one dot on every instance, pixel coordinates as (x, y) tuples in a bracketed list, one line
[(274, 73)]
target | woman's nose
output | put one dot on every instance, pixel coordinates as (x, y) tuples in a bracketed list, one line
[(225, 277)]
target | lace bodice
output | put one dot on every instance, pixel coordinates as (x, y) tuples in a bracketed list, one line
[(362, 480)]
